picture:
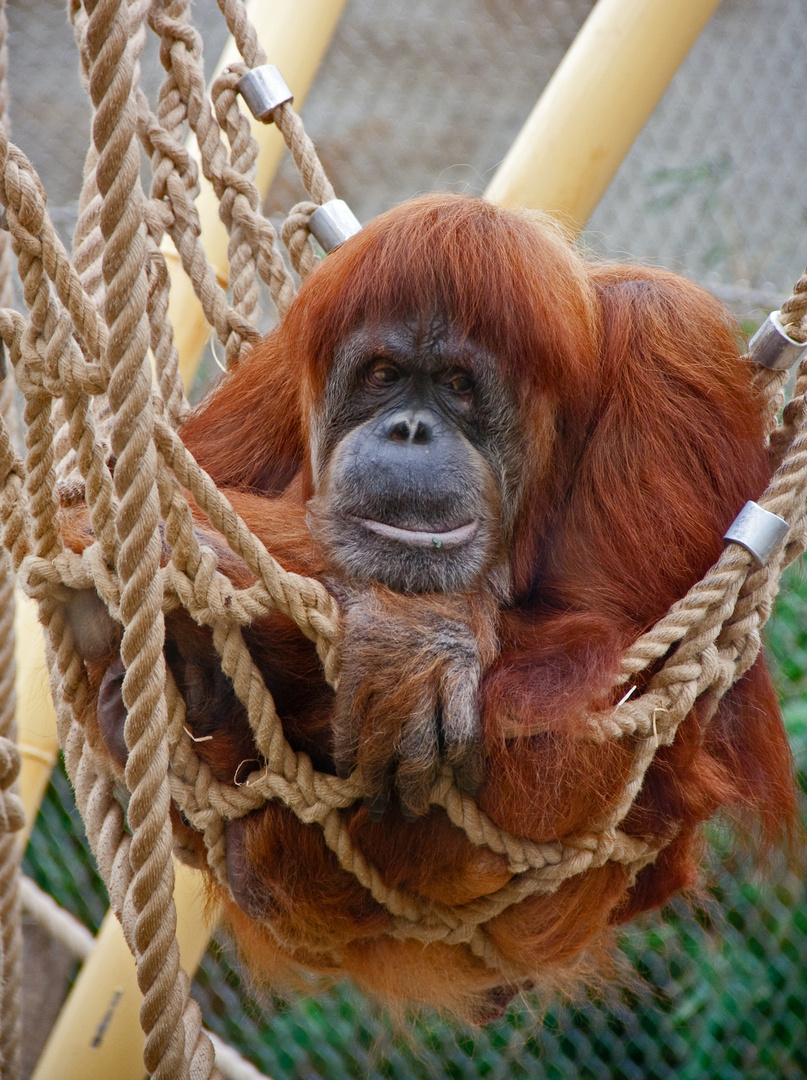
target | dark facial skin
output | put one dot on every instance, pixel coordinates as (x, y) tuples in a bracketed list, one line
[(413, 458)]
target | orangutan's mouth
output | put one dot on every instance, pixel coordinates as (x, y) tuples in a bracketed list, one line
[(451, 538)]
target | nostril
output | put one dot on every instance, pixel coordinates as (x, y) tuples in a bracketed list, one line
[(421, 433), (414, 429), (400, 430)]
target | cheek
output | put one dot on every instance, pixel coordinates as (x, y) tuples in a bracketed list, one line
[(329, 418), (316, 449), (533, 469), (112, 711)]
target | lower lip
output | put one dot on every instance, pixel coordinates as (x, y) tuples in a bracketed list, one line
[(423, 539)]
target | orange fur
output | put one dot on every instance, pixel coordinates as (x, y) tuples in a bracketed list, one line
[(644, 440)]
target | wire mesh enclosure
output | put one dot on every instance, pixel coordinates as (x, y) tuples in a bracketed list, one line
[(425, 97), (429, 96)]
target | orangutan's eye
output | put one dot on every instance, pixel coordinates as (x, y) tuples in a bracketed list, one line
[(383, 373), (459, 382)]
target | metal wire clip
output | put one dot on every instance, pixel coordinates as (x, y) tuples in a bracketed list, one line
[(333, 223), (758, 530), (772, 348), (264, 89)]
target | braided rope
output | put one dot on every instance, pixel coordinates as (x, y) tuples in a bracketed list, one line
[(114, 37), (794, 311), (289, 776), (12, 816), (67, 353)]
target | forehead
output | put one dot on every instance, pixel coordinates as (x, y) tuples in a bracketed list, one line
[(429, 343)]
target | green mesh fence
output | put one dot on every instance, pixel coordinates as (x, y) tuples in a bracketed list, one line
[(713, 990)]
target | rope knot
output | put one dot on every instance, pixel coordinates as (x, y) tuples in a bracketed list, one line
[(175, 32), (12, 814), (295, 234), (9, 763)]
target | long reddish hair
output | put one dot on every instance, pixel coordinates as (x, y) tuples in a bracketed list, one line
[(643, 439)]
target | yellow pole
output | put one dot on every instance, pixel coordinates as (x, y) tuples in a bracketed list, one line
[(595, 105), (295, 34), (36, 717), (98, 1034)]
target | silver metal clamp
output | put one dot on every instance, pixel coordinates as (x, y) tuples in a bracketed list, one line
[(758, 530), (772, 348), (333, 223), (264, 89)]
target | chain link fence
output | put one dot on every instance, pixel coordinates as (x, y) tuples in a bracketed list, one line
[(422, 96), (714, 989), (426, 95)]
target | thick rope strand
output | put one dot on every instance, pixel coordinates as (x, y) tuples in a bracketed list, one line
[(148, 908), (11, 817)]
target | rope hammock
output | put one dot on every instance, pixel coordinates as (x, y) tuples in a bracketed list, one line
[(81, 362)]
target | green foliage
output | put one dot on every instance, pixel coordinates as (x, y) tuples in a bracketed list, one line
[(787, 649), (711, 992), (715, 993)]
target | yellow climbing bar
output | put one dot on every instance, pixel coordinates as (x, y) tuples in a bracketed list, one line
[(595, 105), (36, 716), (98, 1034)]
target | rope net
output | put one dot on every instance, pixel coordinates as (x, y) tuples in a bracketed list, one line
[(81, 362), (11, 812)]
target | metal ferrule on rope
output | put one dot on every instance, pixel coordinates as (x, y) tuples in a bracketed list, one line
[(772, 348), (264, 89), (333, 223), (758, 531)]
